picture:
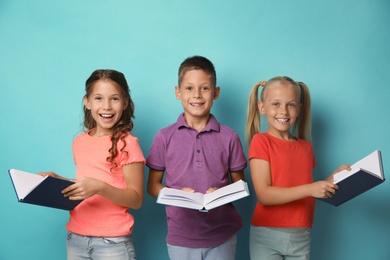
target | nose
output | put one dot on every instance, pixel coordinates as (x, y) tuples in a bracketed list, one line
[(197, 93), (283, 110), (107, 104)]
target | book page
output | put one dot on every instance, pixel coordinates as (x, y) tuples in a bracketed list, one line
[(199, 201), (371, 163), (224, 195), (24, 182), (341, 175), (180, 198)]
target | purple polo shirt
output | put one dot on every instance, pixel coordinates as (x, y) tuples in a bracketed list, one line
[(199, 161)]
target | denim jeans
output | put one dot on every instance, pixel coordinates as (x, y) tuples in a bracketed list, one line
[(225, 251), (99, 248)]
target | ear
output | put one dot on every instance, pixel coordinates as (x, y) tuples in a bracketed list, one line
[(177, 92), (217, 90), (86, 103), (260, 105)]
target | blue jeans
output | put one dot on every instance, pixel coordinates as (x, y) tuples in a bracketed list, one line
[(279, 243), (99, 248), (225, 251)]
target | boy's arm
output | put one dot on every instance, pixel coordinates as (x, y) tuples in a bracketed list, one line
[(155, 182), (236, 176)]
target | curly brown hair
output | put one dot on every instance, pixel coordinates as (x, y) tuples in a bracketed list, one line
[(124, 126)]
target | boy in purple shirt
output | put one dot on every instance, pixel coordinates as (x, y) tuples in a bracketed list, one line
[(197, 154)]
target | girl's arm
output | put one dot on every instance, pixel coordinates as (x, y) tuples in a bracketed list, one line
[(270, 195), (131, 197), (155, 182)]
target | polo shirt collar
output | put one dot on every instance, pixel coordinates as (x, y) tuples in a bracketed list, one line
[(212, 125)]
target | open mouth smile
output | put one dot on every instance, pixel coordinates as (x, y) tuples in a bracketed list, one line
[(107, 116), (197, 104)]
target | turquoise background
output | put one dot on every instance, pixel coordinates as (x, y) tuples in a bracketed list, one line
[(48, 49)]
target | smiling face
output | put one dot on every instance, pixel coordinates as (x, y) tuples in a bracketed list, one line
[(281, 107), (197, 93), (106, 103)]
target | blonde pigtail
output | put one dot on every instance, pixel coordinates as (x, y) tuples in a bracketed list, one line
[(304, 119), (253, 114)]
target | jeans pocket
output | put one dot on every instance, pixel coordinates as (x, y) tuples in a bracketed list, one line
[(117, 240), (260, 232)]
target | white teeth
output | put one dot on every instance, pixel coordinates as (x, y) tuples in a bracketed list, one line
[(282, 120), (106, 116)]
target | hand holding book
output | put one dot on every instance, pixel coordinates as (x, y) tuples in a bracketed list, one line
[(42, 189), (362, 176), (203, 202)]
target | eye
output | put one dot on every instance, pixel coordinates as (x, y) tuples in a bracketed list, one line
[(115, 99), (205, 88), (292, 105), (98, 98), (188, 88), (275, 104)]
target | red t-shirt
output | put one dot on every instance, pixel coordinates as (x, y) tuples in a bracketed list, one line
[(291, 165)]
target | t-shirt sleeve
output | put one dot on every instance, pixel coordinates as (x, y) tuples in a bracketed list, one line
[(133, 152), (258, 148), (156, 157), (237, 159)]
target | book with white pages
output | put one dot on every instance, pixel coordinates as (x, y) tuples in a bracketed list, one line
[(364, 175), (41, 190), (203, 202)]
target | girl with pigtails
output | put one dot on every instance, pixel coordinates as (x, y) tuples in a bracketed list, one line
[(281, 163)]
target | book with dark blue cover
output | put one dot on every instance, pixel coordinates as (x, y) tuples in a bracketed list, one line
[(41, 190), (364, 175)]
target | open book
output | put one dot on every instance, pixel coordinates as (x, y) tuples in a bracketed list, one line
[(203, 202), (44, 191), (364, 175)]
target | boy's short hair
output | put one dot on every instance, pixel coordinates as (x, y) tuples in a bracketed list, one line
[(198, 63)]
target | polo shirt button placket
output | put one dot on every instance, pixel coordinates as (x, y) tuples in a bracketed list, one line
[(198, 137), (198, 148)]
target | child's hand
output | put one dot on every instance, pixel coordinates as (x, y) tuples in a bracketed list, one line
[(52, 174), (83, 188), (211, 190), (188, 189), (339, 169), (192, 190), (323, 189)]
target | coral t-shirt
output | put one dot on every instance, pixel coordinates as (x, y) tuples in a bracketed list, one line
[(291, 164), (97, 216)]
